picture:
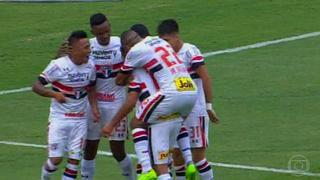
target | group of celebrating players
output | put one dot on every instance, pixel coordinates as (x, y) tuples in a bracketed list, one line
[(96, 83)]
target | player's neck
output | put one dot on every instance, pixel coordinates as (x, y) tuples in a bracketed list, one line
[(76, 60), (179, 45)]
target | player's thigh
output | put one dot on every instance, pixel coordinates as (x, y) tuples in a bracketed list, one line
[(120, 131), (57, 138), (94, 129), (76, 139), (160, 136), (197, 126)]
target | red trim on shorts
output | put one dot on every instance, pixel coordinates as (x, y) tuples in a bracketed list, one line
[(202, 131)]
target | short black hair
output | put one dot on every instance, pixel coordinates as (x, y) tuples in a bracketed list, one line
[(141, 29), (168, 26), (97, 19), (76, 35)]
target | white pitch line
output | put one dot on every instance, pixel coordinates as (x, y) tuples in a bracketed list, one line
[(235, 166), (214, 53)]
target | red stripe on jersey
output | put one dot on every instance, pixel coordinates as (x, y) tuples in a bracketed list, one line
[(143, 85), (126, 68), (132, 83), (117, 66), (197, 58), (155, 82), (150, 64), (62, 86)]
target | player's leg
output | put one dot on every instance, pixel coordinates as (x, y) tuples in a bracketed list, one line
[(159, 139), (117, 145), (76, 138), (91, 146), (198, 130), (56, 142)]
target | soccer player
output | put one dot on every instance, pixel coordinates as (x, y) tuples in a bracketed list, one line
[(72, 79), (175, 97), (198, 120), (106, 57)]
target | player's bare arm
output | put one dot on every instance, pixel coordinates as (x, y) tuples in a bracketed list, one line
[(39, 88), (123, 111), (206, 82), (93, 103), (123, 78)]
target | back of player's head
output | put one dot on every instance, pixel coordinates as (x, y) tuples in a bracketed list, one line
[(141, 30), (75, 36), (128, 35), (97, 19), (168, 26)]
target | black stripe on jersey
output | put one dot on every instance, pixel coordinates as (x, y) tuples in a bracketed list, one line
[(42, 80), (194, 66), (138, 90), (153, 108), (156, 68), (82, 95), (144, 96), (194, 76)]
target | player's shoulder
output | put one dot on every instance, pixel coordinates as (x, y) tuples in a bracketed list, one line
[(61, 61)]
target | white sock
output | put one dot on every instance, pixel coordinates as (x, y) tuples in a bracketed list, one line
[(70, 172), (127, 168), (180, 172), (164, 177), (87, 169), (47, 170), (141, 146), (184, 145), (205, 171)]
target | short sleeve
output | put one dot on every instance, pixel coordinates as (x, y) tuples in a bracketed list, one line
[(136, 58), (196, 58), (52, 72)]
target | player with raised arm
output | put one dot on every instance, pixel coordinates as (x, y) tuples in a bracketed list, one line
[(197, 122), (106, 57), (175, 97), (72, 79)]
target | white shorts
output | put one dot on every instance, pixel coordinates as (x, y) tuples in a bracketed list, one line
[(66, 136), (163, 106), (163, 137), (198, 127), (120, 132)]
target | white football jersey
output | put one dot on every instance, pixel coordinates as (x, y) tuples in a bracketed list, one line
[(192, 59), (142, 84), (72, 80), (156, 56), (108, 61)]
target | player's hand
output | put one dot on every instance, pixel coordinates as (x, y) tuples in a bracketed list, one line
[(107, 130), (96, 115), (213, 116), (64, 49), (59, 97)]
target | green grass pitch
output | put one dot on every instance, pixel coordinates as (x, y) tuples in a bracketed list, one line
[(268, 98)]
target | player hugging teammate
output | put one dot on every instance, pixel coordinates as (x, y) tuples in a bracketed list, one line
[(168, 84)]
